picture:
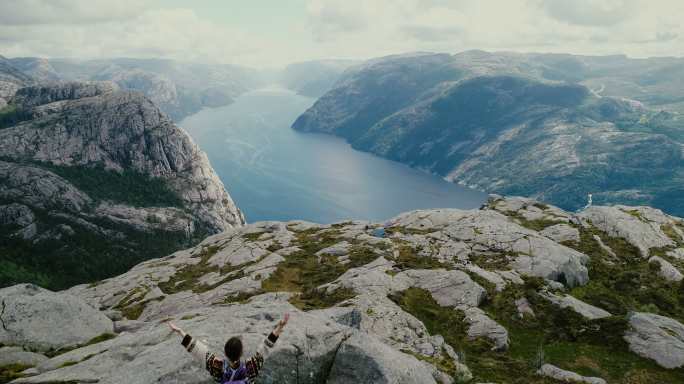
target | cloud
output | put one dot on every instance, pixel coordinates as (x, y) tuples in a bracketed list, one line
[(430, 33), (591, 12), (36, 12), (336, 28)]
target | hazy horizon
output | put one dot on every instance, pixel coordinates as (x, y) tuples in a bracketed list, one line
[(271, 34)]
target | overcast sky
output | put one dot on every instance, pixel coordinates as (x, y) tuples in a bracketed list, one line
[(267, 33)]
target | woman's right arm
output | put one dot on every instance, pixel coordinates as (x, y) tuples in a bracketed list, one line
[(254, 363)]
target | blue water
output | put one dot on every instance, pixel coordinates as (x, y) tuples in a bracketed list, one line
[(275, 173)]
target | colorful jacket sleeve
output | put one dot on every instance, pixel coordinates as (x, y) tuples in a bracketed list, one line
[(200, 351), (254, 363)]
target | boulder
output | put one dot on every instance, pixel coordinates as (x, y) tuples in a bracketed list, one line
[(564, 376), (667, 271), (41, 320), (656, 337), (561, 233), (588, 311), (448, 288), (481, 325), (360, 360), (17, 355)]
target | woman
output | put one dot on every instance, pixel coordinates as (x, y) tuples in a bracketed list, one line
[(231, 369)]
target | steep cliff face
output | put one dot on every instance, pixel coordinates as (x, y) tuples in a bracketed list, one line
[(515, 292), (517, 124), (89, 161)]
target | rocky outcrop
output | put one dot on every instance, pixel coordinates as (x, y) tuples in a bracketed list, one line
[(586, 310), (643, 227), (667, 271), (91, 160), (657, 337), (564, 376), (412, 300), (70, 322)]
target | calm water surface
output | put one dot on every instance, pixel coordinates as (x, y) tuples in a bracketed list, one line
[(275, 173)]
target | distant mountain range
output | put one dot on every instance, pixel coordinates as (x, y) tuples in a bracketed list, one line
[(178, 88), (313, 78), (553, 127)]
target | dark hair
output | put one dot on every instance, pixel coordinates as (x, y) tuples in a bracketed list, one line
[(233, 349)]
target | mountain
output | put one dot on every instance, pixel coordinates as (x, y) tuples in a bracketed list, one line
[(96, 179), (313, 78), (534, 125), (178, 88), (11, 79), (515, 292)]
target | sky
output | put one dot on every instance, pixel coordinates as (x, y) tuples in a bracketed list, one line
[(273, 33)]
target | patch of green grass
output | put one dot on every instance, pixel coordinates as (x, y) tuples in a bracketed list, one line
[(535, 225), (443, 363), (303, 271), (319, 298), (409, 258), (635, 213), (132, 305), (187, 278), (67, 364), (254, 236), (12, 371), (627, 282), (494, 261)]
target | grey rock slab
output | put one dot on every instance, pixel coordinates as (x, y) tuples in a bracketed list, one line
[(656, 337), (564, 376), (17, 355), (588, 311), (360, 360), (25, 319), (481, 325), (561, 232), (640, 226), (667, 271), (448, 288)]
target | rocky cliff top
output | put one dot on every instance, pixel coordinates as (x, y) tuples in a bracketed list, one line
[(516, 292)]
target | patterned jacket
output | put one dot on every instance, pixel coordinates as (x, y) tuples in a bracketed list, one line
[(214, 364)]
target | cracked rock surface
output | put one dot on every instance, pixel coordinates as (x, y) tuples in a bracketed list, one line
[(440, 295)]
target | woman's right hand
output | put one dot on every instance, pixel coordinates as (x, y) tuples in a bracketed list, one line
[(281, 324), (175, 328)]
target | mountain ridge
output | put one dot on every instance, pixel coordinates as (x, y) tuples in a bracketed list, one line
[(420, 110)]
